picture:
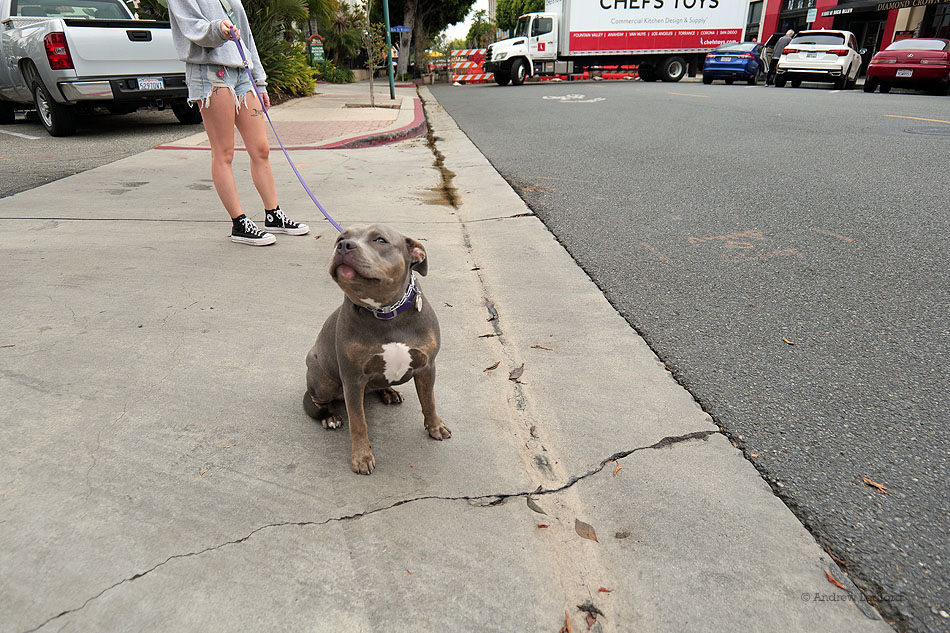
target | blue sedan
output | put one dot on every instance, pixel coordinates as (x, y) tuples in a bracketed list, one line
[(738, 60)]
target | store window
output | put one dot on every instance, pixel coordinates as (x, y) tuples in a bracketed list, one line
[(940, 25)]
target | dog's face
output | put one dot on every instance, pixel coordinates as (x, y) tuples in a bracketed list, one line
[(371, 264)]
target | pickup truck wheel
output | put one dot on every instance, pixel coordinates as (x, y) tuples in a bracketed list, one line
[(7, 115), (518, 72), (673, 69), (186, 114), (58, 119)]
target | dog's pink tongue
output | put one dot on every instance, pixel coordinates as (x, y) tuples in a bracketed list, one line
[(345, 272)]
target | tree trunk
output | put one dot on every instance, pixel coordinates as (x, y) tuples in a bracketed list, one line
[(421, 38), (405, 39)]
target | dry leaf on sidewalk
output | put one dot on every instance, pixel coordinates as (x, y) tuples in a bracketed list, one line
[(495, 366), (835, 558), (787, 341), (542, 347), (6, 346), (617, 469), (543, 525), (879, 487), (534, 506), (604, 590), (516, 373), (585, 530), (567, 623), (832, 580)]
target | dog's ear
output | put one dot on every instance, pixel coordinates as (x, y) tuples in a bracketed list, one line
[(418, 259)]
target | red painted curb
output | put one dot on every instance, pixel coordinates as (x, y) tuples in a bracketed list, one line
[(372, 139)]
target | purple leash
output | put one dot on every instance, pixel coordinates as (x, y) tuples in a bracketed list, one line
[(284, 149)]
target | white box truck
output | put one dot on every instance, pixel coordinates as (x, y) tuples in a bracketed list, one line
[(666, 39)]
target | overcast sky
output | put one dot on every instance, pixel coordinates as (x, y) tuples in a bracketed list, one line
[(460, 30)]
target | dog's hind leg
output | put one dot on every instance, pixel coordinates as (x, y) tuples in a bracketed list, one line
[(322, 412)]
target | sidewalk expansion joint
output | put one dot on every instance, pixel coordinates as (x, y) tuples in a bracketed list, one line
[(480, 501), (447, 189)]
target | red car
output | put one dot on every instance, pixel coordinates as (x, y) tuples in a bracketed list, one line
[(914, 63)]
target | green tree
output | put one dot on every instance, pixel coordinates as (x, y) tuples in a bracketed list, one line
[(507, 12), (425, 18), (482, 31), (342, 33)]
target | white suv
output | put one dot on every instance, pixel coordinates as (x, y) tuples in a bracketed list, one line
[(820, 56)]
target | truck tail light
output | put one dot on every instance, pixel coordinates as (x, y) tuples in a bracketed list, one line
[(840, 52), (57, 51)]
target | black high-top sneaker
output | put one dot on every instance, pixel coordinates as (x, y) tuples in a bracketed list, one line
[(276, 221), (244, 231)]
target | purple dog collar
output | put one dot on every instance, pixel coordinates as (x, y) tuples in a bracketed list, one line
[(412, 298)]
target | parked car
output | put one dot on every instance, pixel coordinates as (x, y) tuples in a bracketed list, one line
[(65, 57), (826, 55), (737, 60), (922, 63)]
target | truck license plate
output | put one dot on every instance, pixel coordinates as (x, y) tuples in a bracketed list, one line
[(151, 83), (903, 72)]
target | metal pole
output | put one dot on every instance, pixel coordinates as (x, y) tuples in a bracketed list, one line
[(389, 51)]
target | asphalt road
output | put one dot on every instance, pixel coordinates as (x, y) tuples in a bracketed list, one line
[(30, 157), (784, 252)]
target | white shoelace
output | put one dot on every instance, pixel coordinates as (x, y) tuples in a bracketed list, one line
[(250, 228), (283, 219)]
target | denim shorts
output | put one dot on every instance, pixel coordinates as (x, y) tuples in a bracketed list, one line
[(202, 79)]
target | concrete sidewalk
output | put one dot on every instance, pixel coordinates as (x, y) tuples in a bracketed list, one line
[(159, 474)]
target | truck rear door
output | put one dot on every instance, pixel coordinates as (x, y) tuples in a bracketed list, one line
[(121, 47)]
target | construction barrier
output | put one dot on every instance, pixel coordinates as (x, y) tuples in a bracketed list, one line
[(466, 66)]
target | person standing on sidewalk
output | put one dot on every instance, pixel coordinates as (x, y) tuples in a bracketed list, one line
[(217, 82), (776, 54)]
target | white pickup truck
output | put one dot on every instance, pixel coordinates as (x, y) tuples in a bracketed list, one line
[(65, 57)]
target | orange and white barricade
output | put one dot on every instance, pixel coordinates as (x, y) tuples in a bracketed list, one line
[(466, 66)]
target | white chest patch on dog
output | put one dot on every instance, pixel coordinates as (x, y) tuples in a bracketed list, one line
[(371, 303), (397, 361)]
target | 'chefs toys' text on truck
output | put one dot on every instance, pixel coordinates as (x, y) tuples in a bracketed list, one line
[(666, 39)]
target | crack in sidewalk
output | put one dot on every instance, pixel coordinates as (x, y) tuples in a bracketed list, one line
[(490, 500)]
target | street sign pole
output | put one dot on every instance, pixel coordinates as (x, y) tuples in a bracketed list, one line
[(389, 51)]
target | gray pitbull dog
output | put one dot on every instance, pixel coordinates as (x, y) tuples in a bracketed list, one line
[(384, 334)]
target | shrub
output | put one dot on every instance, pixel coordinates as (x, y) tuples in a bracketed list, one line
[(327, 71)]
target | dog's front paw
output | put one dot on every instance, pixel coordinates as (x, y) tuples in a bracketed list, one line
[(439, 431), (363, 463), (332, 421), (390, 396)]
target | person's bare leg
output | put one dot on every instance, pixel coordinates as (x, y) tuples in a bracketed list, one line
[(250, 123), (219, 118)]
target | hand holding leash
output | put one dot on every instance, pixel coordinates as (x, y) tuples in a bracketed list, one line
[(230, 31)]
